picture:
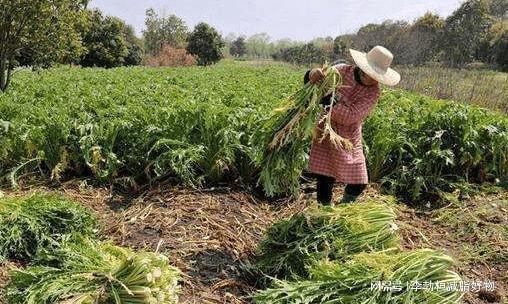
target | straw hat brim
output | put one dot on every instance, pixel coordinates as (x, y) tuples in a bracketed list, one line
[(389, 77)]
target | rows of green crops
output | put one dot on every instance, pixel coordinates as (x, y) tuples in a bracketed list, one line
[(207, 125)]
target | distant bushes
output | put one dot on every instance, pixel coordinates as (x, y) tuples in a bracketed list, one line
[(171, 57), (304, 54)]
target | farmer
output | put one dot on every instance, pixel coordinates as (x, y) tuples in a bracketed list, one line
[(355, 99)]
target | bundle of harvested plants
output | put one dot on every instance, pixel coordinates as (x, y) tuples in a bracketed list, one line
[(420, 276), (85, 271), (29, 224), (284, 158), (325, 232)]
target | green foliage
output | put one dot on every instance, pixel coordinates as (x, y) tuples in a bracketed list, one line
[(238, 47), (135, 55), (495, 47), (29, 225), (418, 147), (105, 41), (160, 31), (350, 281), (206, 43), (80, 270), (426, 33), (143, 123), (289, 135), (292, 245), (306, 54), (258, 46), (464, 31), (211, 125), (341, 46), (472, 33), (390, 34), (499, 8), (44, 29)]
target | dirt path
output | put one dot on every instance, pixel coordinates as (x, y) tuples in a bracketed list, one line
[(208, 234)]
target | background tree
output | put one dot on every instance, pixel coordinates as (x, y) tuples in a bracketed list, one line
[(238, 47), (326, 44), (228, 42), (160, 31), (307, 54), (43, 29), (389, 34), (284, 44), (464, 32), (341, 46), (135, 46), (258, 46), (422, 40), (499, 9), (495, 46), (105, 41), (206, 43)]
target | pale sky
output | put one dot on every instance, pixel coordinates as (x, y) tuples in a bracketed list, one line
[(294, 19)]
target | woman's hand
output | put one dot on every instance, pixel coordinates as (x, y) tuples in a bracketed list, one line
[(316, 76)]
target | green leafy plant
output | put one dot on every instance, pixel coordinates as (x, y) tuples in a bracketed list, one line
[(31, 224), (420, 276), (207, 126), (85, 271), (326, 232), (419, 147)]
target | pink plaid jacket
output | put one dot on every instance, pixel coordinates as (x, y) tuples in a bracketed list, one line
[(355, 103)]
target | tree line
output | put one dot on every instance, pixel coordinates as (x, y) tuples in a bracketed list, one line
[(476, 32), (42, 33)]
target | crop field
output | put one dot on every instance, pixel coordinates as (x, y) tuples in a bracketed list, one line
[(141, 185), (208, 125)]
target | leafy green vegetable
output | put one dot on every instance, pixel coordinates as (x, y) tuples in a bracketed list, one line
[(213, 125), (85, 271), (30, 224), (325, 232), (418, 147), (414, 277)]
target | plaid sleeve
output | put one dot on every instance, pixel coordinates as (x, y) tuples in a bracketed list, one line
[(357, 111)]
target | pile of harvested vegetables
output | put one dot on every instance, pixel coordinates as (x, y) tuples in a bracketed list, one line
[(326, 232), (282, 162), (339, 254), (52, 237), (81, 270), (376, 277), (31, 224)]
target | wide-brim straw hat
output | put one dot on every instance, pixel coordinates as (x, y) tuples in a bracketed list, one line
[(376, 63)]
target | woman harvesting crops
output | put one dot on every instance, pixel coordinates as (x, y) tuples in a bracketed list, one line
[(354, 100)]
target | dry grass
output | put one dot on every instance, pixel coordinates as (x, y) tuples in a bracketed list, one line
[(471, 230), (485, 88)]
